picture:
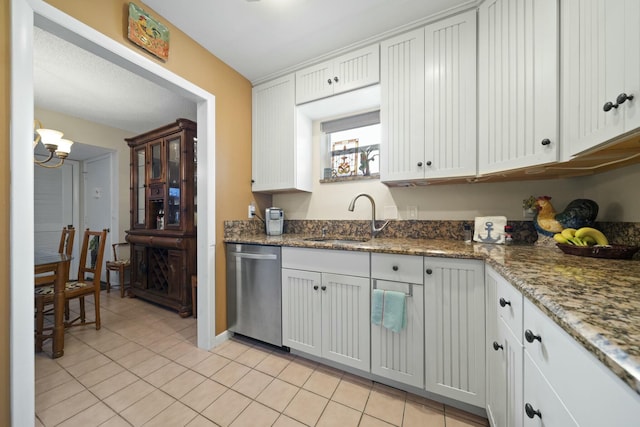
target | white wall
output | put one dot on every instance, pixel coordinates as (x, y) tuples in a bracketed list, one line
[(91, 133), (615, 192)]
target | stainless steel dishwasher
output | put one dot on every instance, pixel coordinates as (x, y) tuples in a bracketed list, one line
[(254, 292)]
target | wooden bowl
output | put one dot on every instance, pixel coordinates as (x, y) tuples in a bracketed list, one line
[(608, 251)]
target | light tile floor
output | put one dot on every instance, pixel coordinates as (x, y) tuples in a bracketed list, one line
[(144, 369)]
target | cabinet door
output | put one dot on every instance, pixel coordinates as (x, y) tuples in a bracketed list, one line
[(504, 378), (139, 267), (402, 107), (172, 214), (347, 72), (345, 320), (450, 97), (314, 82), (455, 329), (518, 84), (356, 69), (541, 397), (176, 284), (281, 150), (594, 57), (399, 356), (139, 187), (156, 160), (301, 301)]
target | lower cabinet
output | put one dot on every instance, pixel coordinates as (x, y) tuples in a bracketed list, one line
[(543, 406), (399, 356), (162, 273), (455, 329), (504, 350), (504, 378), (325, 311)]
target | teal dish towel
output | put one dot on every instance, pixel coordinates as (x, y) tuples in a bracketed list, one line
[(393, 313), (377, 302)]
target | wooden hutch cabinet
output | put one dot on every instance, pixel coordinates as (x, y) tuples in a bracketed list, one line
[(163, 215)]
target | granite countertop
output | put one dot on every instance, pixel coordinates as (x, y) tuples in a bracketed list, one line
[(596, 301)]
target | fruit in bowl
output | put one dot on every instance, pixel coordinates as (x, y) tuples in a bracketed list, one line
[(589, 242), (585, 236)]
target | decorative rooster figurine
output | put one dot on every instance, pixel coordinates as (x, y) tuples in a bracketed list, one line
[(578, 213)]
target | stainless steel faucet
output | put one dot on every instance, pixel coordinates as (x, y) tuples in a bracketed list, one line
[(374, 231)]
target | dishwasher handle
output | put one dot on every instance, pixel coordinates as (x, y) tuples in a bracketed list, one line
[(254, 256)]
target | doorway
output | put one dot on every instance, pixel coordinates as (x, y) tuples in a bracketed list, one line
[(24, 14)]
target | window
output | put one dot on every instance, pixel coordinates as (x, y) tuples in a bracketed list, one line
[(353, 146)]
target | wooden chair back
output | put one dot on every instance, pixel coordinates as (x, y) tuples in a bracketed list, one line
[(121, 251), (66, 240), (92, 256)]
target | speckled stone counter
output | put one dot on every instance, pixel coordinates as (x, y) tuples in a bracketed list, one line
[(596, 301)]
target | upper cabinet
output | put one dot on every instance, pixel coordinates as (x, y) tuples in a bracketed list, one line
[(428, 104), (281, 139), (601, 71), (518, 84), (347, 72)]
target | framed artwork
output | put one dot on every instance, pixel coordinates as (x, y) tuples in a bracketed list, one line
[(344, 157), (148, 33)]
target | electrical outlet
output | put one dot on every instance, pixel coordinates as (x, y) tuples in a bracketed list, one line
[(528, 213), (412, 212)]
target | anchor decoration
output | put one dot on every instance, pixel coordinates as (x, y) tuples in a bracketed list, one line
[(490, 229)]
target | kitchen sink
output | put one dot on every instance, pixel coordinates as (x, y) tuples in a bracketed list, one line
[(336, 240)]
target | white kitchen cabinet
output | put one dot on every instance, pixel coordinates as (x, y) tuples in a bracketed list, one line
[(455, 329), (450, 97), (402, 107), (543, 406), (591, 393), (518, 84), (399, 356), (428, 104), (325, 304), (504, 373), (281, 139), (600, 62), (347, 72)]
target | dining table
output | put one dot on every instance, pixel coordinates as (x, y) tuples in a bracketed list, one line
[(57, 264)]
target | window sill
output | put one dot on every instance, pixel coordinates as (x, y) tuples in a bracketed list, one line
[(350, 178)]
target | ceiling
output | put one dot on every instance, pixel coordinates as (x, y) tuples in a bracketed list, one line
[(258, 38)]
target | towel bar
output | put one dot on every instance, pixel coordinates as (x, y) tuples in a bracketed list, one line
[(410, 294)]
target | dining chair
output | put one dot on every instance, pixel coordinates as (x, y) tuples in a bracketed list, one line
[(121, 263), (66, 240), (87, 283), (42, 278)]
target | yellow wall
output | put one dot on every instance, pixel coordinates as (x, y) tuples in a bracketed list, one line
[(233, 139), (4, 214), (233, 112)]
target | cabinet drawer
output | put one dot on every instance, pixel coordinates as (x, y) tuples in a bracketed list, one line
[(326, 261), (508, 305), (156, 191), (590, 390), (397, 268)]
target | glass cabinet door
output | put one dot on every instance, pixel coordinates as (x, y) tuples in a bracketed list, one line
[(140, 186), (173, 182), (156, 161)]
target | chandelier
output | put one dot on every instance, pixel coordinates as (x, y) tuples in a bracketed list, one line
[(53, 142)]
